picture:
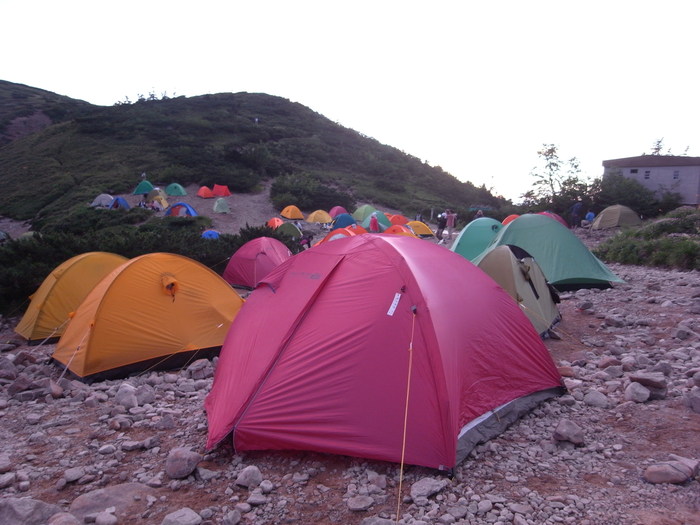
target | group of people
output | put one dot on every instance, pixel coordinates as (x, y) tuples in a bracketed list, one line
[(578, 220)]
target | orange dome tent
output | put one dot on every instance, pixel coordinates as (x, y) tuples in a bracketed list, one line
[(510, 218), (399, 229), (292, 212), (275, 222), (398, 219), (156, 310), (62, 292), (205, 193)]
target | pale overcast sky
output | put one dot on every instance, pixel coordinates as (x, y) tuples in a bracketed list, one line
[(473, 87)]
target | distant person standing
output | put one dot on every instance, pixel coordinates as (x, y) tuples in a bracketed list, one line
[(478, 214), (441, 223), (451, 222), (576, 211), (374, 224)]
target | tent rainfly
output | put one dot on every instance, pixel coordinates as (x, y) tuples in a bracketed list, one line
[(303, 368), (157, 310), (254, 260), (221, 206), (616, 216), (175, 190), (61, 293), (292, 212)]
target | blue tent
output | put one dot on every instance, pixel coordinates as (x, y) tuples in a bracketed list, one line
[(210, 234), (119, 202), (177, 209), (342, 220)]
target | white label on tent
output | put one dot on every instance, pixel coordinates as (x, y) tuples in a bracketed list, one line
[(394, 304)]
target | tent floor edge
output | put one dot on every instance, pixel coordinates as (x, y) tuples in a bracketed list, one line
[(163, 363), (496, 421)]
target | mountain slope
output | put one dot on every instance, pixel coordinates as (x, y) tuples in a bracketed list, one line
[(235, 139)]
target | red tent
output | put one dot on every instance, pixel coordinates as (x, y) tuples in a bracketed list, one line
[(220, 191), (254, 260), (322, 355), (556, 217), (205, 193)]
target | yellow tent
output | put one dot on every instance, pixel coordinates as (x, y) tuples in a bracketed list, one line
[(292, 212), (320, 216), (155, 310), (62, 292), (420, 228)]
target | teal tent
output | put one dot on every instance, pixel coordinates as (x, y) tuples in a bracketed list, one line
[(475, 237), (383, 220), (564, 259), (143, 188), (364, 211), (175, 189)]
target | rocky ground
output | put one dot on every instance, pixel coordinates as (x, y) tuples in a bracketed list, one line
[(622, 447)]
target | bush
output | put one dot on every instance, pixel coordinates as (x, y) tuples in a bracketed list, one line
[(672, 241), (307, 193)]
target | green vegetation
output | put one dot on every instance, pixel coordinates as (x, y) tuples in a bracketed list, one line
[(672, 241), (557, 186)]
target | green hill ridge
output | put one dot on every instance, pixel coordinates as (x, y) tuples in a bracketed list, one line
[(74, 151)]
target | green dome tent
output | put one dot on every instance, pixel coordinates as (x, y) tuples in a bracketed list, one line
[(290, 230), (175, 189), (564, 259), (475, 237), (143, 188), (383, 220), (364, 211), (614, 216)]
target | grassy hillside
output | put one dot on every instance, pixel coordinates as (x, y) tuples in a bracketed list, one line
[(236, 139)]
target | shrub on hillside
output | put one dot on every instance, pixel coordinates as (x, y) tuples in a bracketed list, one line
[(672, 241), (25, 263), (307, 193)]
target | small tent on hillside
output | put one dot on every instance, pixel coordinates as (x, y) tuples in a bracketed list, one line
[(338, 233), (254, 260), (519, 274), (305, 368), (181, 209), (210, 234), (289, 229), (61, 293), (400, 229), (175, 189), (363, 212), (320, 217), (475, 237), (119, 203), (556, 217), (275, 222), (382, 219), (616, 216), (205, 193), (421, 229), (221, 206), (342, 220), (398, 219), (292, 212), (142, 188), (156, 310), (103, 200), (564, 259), (220, 190), (336, 210)]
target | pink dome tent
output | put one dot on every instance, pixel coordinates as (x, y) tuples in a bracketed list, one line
[(254, 260), (331, 376)]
